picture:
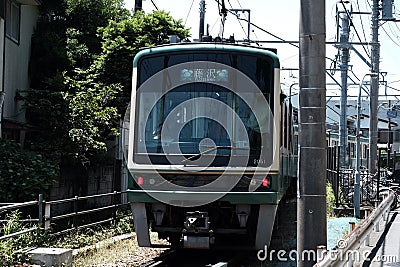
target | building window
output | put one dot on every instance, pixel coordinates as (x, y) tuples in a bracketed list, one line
[(2, 9), (13, 14)]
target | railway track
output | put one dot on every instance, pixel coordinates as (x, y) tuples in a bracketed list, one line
[(283, 236), (204, 258)]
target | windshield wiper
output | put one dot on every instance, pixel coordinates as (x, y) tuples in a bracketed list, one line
[(211, 150)]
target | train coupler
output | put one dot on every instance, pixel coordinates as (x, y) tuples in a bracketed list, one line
[(197, 233)]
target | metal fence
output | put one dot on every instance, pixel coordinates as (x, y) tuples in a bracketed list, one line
[(4, 207), (332, 170), (342, 181), (75, 218)]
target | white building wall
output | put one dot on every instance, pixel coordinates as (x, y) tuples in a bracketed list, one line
[(17, 63)]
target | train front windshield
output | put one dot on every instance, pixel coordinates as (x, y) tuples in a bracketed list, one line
[(203, 114)]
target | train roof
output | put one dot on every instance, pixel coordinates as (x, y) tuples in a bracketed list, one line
[(236, 48)]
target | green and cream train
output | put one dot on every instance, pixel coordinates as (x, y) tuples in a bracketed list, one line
[(211, 144)]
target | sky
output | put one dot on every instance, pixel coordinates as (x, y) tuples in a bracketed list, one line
[(281, 18)]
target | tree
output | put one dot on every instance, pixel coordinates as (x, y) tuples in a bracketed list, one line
[(122, 40), (81, 71)]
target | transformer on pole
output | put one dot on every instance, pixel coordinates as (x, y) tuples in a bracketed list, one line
[(387, 10)]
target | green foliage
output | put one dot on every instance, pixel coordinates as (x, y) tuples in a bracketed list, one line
[(122, 40), (90, 236), (91, 116), (81, 70), (9, 249), (23, 174), (330, 199), (88, 15), (124, 225)]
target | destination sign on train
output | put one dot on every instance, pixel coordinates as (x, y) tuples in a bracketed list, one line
[(205, 75)]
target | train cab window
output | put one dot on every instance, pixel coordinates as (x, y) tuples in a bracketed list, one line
[(178, 123)]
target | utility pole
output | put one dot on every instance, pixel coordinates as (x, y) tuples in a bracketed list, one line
[(373, 107), (138, 5), (345, 56), (202, 16), (311, 203), (356, 196)]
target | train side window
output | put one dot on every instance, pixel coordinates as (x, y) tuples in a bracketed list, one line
[(285, 125)]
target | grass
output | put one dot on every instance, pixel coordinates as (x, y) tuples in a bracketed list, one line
[(121, 253), (12, 250), (110, 254)]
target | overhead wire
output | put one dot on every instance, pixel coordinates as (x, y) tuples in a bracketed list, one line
[(397, 27), (395, 31), (190, 9), (154, 4), (361, 21), (239, 4), (238, 18), (214, 24), (390, 37), (259, 28), (354, 27)]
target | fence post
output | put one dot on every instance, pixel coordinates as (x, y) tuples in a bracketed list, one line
[(352, 226), (75, 220), (338, 176), (115, 206), (47, 216), (378, 181), (40, 212)]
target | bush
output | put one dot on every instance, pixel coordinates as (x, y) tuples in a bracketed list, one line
[(330, 199), (11, 249), (23, 174)]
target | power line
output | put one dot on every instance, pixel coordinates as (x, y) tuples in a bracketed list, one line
[(394, 31), (362, 24), (214, 24), (190, 9), (258, 27), (390, 37), (397, 27), (154, 4), (238, 19), (352, 24), (239, 4)]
